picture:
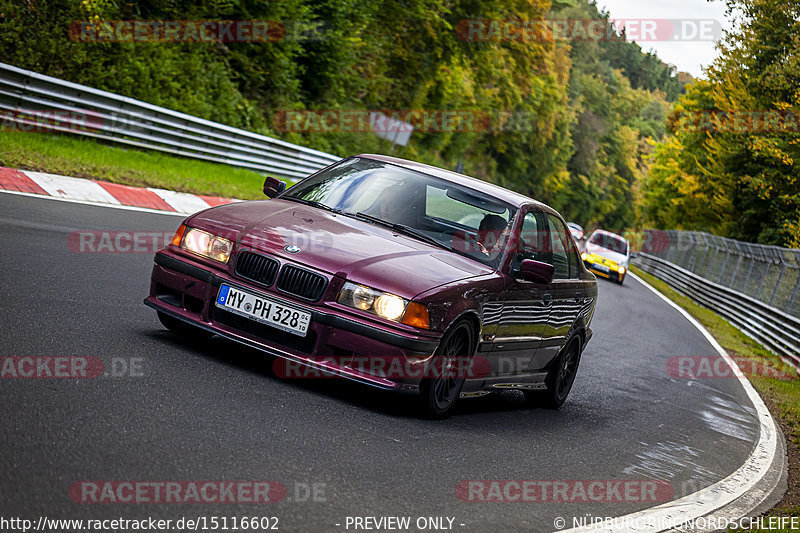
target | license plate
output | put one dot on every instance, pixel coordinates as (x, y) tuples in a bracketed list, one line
[(264, 310), (601, 268)]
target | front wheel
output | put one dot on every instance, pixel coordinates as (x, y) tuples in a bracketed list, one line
[(438, 394), (560, 377)]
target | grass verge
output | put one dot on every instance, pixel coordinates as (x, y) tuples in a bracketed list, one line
[(86, 158), (775, 381)]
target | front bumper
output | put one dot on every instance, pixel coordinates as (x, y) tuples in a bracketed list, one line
[(186, 290), (604, 268)]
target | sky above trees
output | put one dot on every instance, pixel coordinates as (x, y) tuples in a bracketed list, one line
[(688, 56)]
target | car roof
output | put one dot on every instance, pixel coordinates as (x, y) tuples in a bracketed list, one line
[(604, 232), (496, 191)]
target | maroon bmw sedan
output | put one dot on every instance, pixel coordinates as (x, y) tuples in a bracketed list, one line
[(391, 273)]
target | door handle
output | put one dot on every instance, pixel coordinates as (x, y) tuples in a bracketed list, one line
[(547, 299)]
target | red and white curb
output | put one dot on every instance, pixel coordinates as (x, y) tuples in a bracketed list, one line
[(30, 183)]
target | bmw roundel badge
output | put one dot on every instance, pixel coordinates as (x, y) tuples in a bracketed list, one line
[(292, 249)]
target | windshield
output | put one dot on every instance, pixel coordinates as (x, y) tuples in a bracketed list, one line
[(610, 242), (425, 207)]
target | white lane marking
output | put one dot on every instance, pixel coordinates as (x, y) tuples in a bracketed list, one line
[(66, 187), (673, 514), (97, 204), (180, 201)]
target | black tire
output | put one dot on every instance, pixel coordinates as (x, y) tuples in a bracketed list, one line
[(620, 279), (560, 377), (439, 394), (183, 329)]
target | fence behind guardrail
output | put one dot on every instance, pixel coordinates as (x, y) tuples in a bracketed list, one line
[(770, 274), (31, 100), (752, 285)]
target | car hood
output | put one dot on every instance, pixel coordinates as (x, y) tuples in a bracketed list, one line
[(620, 259), (339, 245)]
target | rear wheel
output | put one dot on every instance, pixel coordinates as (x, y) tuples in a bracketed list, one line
[(560, 377), (184, 329), (438, 394)]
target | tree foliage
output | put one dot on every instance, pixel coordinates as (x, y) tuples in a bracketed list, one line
[(571, 121), (730, 163)]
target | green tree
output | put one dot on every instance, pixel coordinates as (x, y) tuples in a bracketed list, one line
[(737, 177)]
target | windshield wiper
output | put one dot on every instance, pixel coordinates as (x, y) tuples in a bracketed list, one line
[(401, 228), (313, 203)]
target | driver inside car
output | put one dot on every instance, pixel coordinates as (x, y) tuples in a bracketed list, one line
[(490, 232)]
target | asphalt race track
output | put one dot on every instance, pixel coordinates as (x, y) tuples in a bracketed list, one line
[(215, 411)]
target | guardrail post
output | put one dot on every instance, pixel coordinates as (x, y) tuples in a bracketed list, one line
[(790, 305), (763, 277), (702, 260), (750, 268), (724, 262), (778, 283), (738, 263), (768, 262), (713, 258), (675, 249), (668, 250), (687, 256)]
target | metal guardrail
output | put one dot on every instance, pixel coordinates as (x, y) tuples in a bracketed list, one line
[(769, 274), (772, 327), (32, 100)]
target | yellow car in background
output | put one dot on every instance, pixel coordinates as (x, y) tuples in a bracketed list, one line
[(607, 255)]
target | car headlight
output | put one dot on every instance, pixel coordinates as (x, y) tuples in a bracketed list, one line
[(584, 255), (384, 305), (204, 243), (621, 270)]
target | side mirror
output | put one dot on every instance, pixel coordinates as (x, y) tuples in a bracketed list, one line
[(536, 271), (273, 186)]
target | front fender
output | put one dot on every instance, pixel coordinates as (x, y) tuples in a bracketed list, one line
[(466, 298)]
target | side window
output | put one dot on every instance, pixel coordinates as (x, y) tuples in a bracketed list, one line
[(529, 245), (529, 238), (557, 235), (574, 260)]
